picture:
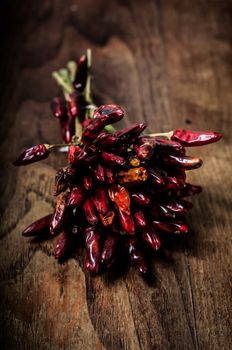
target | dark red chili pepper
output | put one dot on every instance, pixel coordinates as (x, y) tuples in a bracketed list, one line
[(81, 75), (88, 182), (185, 162), (177, 206), (140, 198), (106, 140), (195, 138), (62, 245), (98, 172), (38, 226), (172, 185), (127, 222), (102, 206), (109, 248), (189, 190), (111, 113), (160, 211), (129, 135), (151, 238), (89, 210), (176, 227), (89, 154), (73, 104), (73, 154), (145, 148), (139, 218), (86, 122), (93, 249), (136, 256), (59, 215), (155, 177), (33, 154), (63, 179), (58, 108), (112, 160), (169, 146), (75, 197), (67, 130), (109, 176)]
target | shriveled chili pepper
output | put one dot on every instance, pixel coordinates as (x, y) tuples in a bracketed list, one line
[(75, 197), (177, 206), (139, 218), (127, 222), (58, 108), (195, 138), (110, 113), (59, 215), (98, 172), (119, 195), (106, 140), (112, 160), (145, 148), (93, 244), (88, 154), (102, 206), (133, 176), (176, 227), (90, 213), (158, 210), (129, 135), (155, 177), (150, 237), (33, 154), (168, 146), (136, 256), (185, 162), (140, 197), (63, 179), (189, 190), (62, 245), (109, 176), (109, 248), (88, 182), (38, 226)]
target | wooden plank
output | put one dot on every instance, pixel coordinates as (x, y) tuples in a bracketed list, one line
[(169, 64)]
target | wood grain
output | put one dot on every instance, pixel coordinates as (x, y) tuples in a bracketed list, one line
[(169, 64)]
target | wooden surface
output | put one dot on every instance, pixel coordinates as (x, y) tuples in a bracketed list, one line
[(169, 64)]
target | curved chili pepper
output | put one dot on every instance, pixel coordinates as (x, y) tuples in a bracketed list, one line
[(195, 138), (93, 249), (176, 227), (185, 162), (127, 222), (156, 178), (189, 190), (110, 113), (106, 140), (62, 245), (90, 213), (151, 238), (145, 148), (112, 160), (102, 206), (59, 215), (140, 198), (129, 135), (33, 154), (38, 226), (75, 197), (98, 172), (88, 182), (139, 218), (136, 256), (169, 146), (109, 248)]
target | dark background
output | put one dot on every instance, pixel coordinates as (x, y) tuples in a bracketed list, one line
[(168, 63)]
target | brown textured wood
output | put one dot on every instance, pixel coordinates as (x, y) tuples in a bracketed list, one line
[(169, 64)]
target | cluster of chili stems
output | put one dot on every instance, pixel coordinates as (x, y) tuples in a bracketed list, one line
[(120, 189)]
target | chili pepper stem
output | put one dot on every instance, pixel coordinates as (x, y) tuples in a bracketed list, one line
[(91, 106), (62, 145), (166, 135)]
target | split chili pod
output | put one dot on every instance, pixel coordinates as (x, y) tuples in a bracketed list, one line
[(136, 256), (176, 227), (58, 108), (150, 237), (75, 197), (89, 211), (38, 226), (112, 160), (109, 248), (33, 154), (110, 113), (93, 244), (195, 138), (63, 178), (62, 245)]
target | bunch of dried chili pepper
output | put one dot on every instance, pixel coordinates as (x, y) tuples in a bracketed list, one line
[(118, 185)]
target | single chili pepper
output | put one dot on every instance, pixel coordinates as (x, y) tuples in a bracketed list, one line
[(140, 198), (110, 113), (145, 148), (176, 227), (73, 154), (177, 206), (185, 162), (73, 104), (136, 256), (158, 210), (106, 140), (139, 218), (98, 172), (38, 226), (92, 239), (58, 108), (88, 182), (63, 179), (189, 190), (155, 177), (169, 146), (151, 238), (33, 154), (62, 245), (172, 185), (133, 176), (90, 213), (75, 197), (89, 154), (109, 176), (109, 248), (195, 138), (59, 215), (129, 135), (81, 75), (127, 222), (102, 206), (121, 198), (112, 160)]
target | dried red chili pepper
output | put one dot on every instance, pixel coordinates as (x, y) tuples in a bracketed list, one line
[(98, 172), (58, 108), (33, 154), (93, 249), (109, 248), (75, 197), (168, 146), (59, 215), (155, 177), (129, 135), (62, 245), (133, 176), (112, 160), (90, 213), (110, 113), (102, 206), (195, 138), (189, 190), (63, 179), (121, 198), (151, 238), (145, 148), (127, 222), (109, 176), (136, 256), (106, 140), (140, 198), (185, 162), (37, 227), (88, 182), (176, 227), (81, 75), (139, 218)]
